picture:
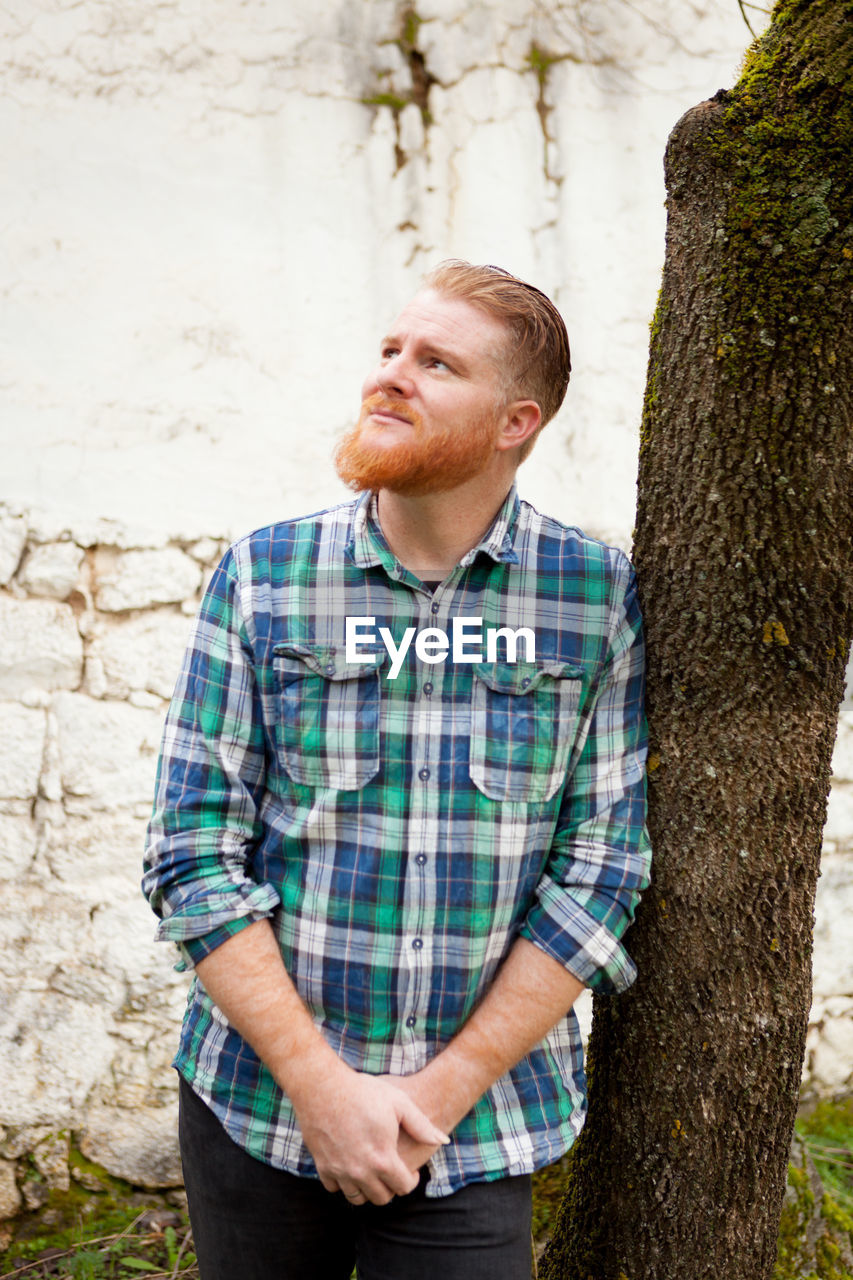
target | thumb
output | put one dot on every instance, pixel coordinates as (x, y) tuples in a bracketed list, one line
[(418, 1125)]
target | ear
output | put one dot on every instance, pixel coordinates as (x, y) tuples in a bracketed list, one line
[(521, 420)]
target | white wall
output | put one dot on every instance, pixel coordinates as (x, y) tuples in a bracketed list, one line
[(206, 225), (206, 229)]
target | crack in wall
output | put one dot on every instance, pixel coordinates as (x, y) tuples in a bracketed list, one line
[(539, 62), (420, 77)]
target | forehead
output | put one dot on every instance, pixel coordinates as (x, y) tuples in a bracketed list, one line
[(452, 324)]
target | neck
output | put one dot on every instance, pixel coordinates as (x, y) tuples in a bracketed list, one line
[(430, 533)]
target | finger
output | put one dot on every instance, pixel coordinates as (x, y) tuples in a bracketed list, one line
[(419, 1126), (397, 1179), (391, 1178), (355, 1195), (414, 1154), (375, 1192)]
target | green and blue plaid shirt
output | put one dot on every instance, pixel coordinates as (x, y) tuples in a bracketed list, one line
[(401, 830)]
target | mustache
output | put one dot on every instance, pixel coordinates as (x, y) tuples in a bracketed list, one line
[(388, 404)]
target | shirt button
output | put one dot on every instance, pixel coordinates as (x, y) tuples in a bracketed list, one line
[(330, 669), (525, 682), (428, 687), (417, 943), (423, 774), (434, 607), (411, 1020), (421, 859)]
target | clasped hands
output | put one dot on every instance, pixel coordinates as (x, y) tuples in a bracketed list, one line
[(369, 1135)]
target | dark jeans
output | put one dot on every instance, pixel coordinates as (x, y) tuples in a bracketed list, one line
[(253, 1222)]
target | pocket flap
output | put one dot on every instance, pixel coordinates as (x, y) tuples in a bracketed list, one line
[(524, 677), (325, 660)]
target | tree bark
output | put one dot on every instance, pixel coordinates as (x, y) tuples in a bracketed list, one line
[(745, 560)]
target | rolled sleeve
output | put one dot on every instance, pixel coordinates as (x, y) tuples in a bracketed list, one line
[(210, 781), (600, 857)]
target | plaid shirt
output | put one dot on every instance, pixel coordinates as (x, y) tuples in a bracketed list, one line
[(401, 830)]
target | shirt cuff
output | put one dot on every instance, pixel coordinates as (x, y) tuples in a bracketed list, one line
[(209, 922), (195, 949), (570, 931)]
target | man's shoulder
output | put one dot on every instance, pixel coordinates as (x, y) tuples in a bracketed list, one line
[(549, 537), (274, 538)]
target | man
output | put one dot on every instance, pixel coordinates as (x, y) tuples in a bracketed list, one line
[(399, 826)]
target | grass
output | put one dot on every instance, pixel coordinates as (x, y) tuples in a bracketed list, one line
[(107, 1237), (815, 1236), (828, 1134), (154, 1243)]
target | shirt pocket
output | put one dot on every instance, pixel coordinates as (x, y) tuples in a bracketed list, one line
[(327, 726), (524, 722)]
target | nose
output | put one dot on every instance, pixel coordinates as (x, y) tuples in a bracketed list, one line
[(394, 376)]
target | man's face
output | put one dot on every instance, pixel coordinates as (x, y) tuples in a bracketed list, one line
[(432, 407)]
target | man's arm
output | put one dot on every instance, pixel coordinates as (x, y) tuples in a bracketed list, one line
[(350, 1122), (530, 994), (210, 789), (597, 867)]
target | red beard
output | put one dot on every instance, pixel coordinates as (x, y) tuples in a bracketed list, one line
[(431, 461)]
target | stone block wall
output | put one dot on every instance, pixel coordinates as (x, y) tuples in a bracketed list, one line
[(93, 623)]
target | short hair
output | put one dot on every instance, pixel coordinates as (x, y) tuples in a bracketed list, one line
[(539, 360)]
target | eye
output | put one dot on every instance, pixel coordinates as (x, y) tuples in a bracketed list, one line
[(388, 353), (434, 362)]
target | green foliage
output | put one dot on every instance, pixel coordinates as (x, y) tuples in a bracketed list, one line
[(827, 1134), (170, 1239), (549, 1187), (88, 1264), (828, 1131), (102, 1228)]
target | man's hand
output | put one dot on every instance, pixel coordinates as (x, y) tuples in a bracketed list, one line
[(530, 993), (357, 1128), (369, 1135), (412, 1152), (350, 1122)]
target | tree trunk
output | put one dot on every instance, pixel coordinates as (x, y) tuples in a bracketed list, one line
[(745, 560)]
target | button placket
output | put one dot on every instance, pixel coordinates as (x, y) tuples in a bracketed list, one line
[(418, 957), (422, 835)]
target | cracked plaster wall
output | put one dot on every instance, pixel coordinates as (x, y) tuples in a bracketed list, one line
[(209, 216)]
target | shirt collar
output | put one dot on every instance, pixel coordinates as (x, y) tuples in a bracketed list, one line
[(367, 546)]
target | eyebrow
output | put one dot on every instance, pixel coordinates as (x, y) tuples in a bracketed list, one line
[(445, 354)]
